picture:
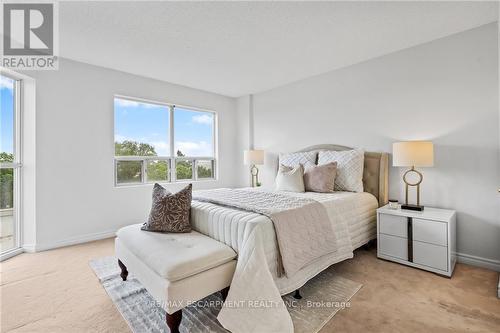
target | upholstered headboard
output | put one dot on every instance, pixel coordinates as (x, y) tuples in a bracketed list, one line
[(375, 173)]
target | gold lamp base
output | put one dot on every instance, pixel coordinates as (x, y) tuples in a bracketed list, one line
[(406, 205)]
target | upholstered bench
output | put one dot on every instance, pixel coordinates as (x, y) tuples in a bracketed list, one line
[(176, 269)]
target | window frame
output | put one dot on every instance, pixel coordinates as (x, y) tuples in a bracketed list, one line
[(172, 158), (17, 167)]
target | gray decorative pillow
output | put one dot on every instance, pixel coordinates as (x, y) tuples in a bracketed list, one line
[(170, 212), (320, 178)]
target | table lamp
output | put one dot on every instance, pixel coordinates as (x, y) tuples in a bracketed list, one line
[(413, 154), (253, 158)]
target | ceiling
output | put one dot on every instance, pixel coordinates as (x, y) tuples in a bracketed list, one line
[(238, 48)]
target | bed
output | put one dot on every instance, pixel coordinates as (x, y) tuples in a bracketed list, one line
[(353, 216)]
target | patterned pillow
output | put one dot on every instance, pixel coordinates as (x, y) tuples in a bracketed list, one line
[(170, 212), (294, 159), (350, 164)]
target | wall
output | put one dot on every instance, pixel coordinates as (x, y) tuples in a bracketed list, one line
[(445, 91), (244, 139), (76, 197)]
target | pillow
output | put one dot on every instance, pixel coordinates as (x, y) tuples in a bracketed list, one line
[(169, 212), (350, 164), (294, 159), (290, 179), (320, 178)]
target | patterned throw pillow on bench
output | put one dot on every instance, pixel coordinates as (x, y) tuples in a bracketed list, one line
[(169, 212)]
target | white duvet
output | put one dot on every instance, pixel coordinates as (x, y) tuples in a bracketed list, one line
[(254, 302)]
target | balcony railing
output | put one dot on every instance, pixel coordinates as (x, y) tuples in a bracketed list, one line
[(132, 170), (6, 229)]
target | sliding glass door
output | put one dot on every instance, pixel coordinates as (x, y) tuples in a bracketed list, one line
[(10, 165)]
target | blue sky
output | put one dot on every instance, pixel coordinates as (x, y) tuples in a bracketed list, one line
[(6, 114), (149, 123)]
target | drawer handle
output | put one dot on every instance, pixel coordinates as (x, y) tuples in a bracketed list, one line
[(410, 239)]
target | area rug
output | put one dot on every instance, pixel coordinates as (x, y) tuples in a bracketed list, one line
[(323, 297)]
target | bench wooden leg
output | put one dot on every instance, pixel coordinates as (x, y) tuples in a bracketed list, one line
[(174, 321), (368, 246), (124, 272), (224, 293)]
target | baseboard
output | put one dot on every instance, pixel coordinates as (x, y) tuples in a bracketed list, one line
[(30, 248), (468, 259), (69, 241)]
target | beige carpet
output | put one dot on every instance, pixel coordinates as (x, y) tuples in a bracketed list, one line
[(56, 291)]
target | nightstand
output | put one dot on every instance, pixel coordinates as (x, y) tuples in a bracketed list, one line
[(425, 240)]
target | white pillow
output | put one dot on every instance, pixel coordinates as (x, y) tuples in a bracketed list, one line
[(290, 179), (350, 164), (294, 159)]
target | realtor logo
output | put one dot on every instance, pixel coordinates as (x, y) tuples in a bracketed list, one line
[(29, 35)]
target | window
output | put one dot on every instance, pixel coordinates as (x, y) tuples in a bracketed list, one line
[(157, 142), (10, 165)]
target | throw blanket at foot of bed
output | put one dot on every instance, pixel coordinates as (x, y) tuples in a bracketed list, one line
[(303, 228), (303, 231)]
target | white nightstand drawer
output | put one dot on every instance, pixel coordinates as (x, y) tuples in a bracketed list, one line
[(393, 246), (430, 244), (430, 255), (393, 225), (430, 231)]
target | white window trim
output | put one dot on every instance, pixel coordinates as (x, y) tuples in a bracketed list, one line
[(17, 168), (172, 158)]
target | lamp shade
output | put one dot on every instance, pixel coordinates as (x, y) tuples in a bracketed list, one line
[(413, 153), (253, 157)]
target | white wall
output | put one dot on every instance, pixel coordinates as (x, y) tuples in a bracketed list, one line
[(445, 91), (76, 197)]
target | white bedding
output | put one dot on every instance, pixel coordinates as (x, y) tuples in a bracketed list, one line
[(356, 210), (296, 221), (353, 219)]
